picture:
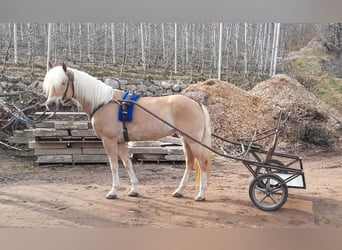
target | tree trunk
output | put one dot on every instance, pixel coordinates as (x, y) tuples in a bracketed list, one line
[(219, 54), (175, 59), (143, 60), (105, 44), (245, 55), (268, 45), (88, 41), (80, 42), (7, 53), (15, 44), (275, 56), (48, 47), (163, 42), (236, 45), (112, 26), (124, 47)]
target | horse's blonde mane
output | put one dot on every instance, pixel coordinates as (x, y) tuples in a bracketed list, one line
[(91, 90), (87, 88)]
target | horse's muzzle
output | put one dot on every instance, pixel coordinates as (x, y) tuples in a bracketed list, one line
[(53, 104)]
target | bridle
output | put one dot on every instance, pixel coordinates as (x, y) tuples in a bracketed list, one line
[(70, 76)]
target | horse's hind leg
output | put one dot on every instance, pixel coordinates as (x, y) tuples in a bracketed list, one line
[(189, 162), (200, 156), (124, 155)]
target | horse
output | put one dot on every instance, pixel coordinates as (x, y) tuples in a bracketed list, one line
[(101, 103)]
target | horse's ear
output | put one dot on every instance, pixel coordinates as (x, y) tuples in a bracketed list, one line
[(50, 65), (64, 67)]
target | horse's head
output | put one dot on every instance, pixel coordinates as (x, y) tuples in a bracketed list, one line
[(58, 85)]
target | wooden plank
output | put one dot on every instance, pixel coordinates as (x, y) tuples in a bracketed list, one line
[(24, 133), (175, 157), (67, 141), (94, 151), (54, 159), (147, 157), (33, 145), (89, 158), (71, 125), (57, 151), (147, 150), (172, 140), (61, 113), (87, 144), (144, 144), (45, 124), (49, 132), (174, 150), (18, 140), (84, 133)]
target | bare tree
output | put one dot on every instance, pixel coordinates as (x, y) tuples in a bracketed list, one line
[(112, 28), (15, 43), (48, 47), (143, 59), (274, 49), (219, 54), (175, 50)]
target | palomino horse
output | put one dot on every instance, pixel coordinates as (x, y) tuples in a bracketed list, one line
[(100, 102)]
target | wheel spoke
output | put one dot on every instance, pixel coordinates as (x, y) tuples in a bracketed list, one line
[(263, 198), (261, 189), (272, 198)]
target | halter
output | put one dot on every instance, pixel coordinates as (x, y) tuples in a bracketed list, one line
[(70, 76)]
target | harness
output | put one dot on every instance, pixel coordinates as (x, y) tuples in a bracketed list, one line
[(125, 113), (70, 76)]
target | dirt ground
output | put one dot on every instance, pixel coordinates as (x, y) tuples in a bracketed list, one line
[(74, 197)]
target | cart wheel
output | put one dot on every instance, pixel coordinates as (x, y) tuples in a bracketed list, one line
[(262, 170), (268, 192)]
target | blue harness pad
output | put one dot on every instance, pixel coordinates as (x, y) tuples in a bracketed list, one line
[(129, 116)]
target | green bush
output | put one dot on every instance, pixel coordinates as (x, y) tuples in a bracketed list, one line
[(315, 135)]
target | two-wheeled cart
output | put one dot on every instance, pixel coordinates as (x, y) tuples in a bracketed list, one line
[(273, 172)]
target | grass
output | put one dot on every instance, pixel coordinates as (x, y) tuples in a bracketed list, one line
[(308, 70)]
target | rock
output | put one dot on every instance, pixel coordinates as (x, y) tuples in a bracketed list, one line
[(176, 88), (113, 83), (141, 88), (153, 88), (165, 85)]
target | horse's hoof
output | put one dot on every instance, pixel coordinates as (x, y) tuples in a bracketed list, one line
[(133, 194), (111, 196), (200, 198), (177, 195)]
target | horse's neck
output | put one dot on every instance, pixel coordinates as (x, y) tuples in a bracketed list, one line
[(90, 92)]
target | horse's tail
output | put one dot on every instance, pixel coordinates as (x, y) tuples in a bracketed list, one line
[(206, 140)]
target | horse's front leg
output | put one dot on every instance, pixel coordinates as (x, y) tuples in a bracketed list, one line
[(111, 147), (124, 155)]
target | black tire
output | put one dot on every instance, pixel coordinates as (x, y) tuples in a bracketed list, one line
[(268, 192)]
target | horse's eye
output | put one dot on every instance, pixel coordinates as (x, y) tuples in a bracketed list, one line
[(63, 83)]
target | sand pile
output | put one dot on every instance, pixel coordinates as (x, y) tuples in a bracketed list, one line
[(304, 106), (234, 113)]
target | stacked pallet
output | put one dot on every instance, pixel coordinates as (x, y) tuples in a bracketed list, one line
[(74, 142), (168, 149), (67, 142)]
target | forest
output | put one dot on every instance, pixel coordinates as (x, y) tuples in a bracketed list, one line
[(243, 53)]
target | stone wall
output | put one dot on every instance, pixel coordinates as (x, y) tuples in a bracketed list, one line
[(147, 88)]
